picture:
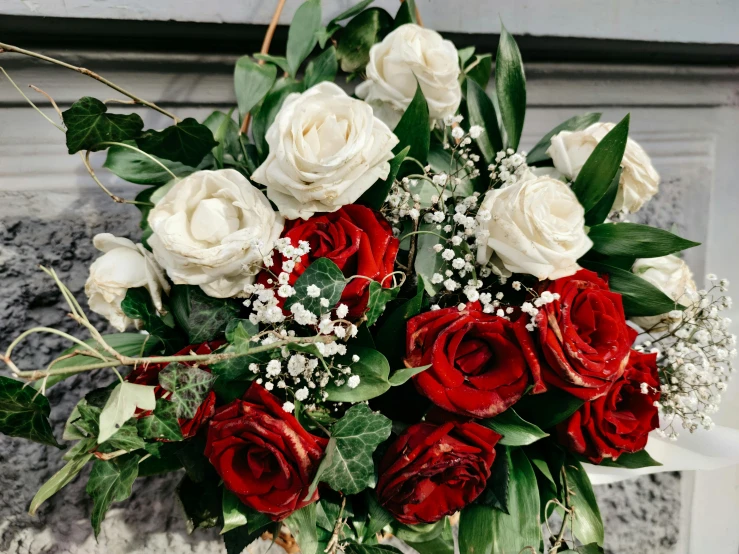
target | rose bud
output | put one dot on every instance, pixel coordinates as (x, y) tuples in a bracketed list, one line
[(620, 420), (149, 375), (583, 335), (432, 471), (357, 239), (480, 363), (263, 454)]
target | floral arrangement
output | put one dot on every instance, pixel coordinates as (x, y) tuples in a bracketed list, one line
[(362, 315)]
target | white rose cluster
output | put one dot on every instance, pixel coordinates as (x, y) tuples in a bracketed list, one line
[(213, 229), (123, 265), (409, 55), (536, 226), (639, 181), (325, 150)]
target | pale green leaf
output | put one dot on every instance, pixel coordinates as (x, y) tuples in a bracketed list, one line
[(121, 406)]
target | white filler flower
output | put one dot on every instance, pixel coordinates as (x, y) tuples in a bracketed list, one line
[(410, 55), (536, 226), (325, 150), (639, 180), (213, 229), (124, 265)]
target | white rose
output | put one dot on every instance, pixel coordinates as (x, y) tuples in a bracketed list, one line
[(213, 229), (536, 226), (410, 55), (672, 276), (570, 150), (124, 265), (325, 150)]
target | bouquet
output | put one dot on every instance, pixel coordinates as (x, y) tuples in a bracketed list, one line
[(356, 315)]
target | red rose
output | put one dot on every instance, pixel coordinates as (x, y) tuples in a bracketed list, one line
[(149, 375), (583, 335), (432, 471), (480, 363), (356, 238), (620, 420), (263, 454)]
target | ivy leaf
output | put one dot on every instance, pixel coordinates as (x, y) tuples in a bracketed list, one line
[(375, 196), (599, 170), (126, 438), (189, 387), (402, 376), (636, 240), (347, 466), (162, 424), (24, 412), (359, 35), (324, 274), (321, 68), (89, 124), (372, 369), (515, 430), (576, 123), (510, 85), (302, 525), (203, 318), (121, 406), (138, 305), (58, 481), (135, 167), (187, 142), (252, 83), (379, 296), (110, 482), (301, 37), (414, 129)]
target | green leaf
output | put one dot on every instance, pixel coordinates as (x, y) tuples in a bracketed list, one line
[(203, 317), (189, 387), (234, 511), (482, 112), (547, 409), (110, 482), (373, 370), (347, 466), (378, 516), (480, 70), (587, 525), (515, 430), (135, 167), (401, 376), (321, 68), (324, 274), (495, 494), (252, 83), (539, 152), (476, 530), (520, 527), (187, 142), (126, 438), (379, 296), (279, 61), (301, 38), (510, 84), (465, 55), (359, 35), (226, 134), (302, 525), (633, 460), (58, 481), (634, 239), (354, 548), (138, 305), (406, 14), (391, 335), (414, 129), (440, 161), (598, 213), (121, 405), (640, 297), (375, 196), (201, 502), (428, 261), (267, 112), (24, 412), (162, 424), (599, 170), (89, 124), (435, 538)]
